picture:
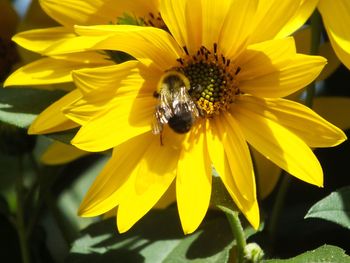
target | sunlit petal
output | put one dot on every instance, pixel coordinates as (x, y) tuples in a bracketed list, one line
[(151, 178), (301, 120), (52, 119), (60, 153), (279, 145), (193, 181), (110, 185), (336, 17)]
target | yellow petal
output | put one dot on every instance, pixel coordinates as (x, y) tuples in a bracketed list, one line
[(336, 17), (104, 87), (48, 71), (52, 119), (111, 185), (231, 172), (334, 109), (267, 174), (168, 198), (272, 69), (238, 155), (301, 120), (129, 118), (113, 78), (271, 17), (140, 42), (89, 57), (60, 153), (37, 40), (303, 44), (237, 27), (259, 56), (183, 22), (214, 13), (85, 109), (279, 145), (81, 12), (299, 18), (152, 177), (193, 182)]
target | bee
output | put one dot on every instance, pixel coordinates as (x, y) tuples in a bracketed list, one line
[(175, 106)]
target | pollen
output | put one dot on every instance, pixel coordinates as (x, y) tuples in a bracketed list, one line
[(212, 79)]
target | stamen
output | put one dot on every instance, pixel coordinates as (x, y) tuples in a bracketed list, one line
[(213, 86), (186, 51), (238, 70)]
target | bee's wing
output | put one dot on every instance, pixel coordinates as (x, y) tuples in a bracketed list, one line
[(182, 101), (163, 112), (157, 125)]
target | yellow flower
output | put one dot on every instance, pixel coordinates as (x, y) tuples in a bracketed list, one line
[(57, 69), (219, 59), (273, 20)]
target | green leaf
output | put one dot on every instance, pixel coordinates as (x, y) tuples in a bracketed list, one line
[(20, 106), (70, 199), (334, 208), (158, 237), (323, 254)]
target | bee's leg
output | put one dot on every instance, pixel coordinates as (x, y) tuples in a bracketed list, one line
[(161, 138)]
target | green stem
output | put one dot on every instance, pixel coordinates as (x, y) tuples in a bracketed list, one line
[(237, 231), (278, 206), (20, 214), (316, 31)]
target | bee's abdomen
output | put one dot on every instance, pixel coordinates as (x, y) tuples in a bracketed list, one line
[(181, 122)]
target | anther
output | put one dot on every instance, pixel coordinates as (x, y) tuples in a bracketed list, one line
[(223, 59), (237, 71), (185, 49), (215, 48), (180, 60)]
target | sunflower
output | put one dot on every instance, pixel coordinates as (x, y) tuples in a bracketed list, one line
[(229, 78), (273, 20), (57, 69)]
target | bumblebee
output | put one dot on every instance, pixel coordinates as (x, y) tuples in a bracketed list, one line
[(175, 106)]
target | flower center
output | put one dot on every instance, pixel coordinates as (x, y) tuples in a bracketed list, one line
[(203, 85), (213, 85)]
